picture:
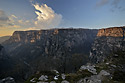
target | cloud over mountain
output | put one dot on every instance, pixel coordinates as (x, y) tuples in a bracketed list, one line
[(46, 17)]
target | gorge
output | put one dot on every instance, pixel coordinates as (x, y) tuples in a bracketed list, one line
[(65, 50)]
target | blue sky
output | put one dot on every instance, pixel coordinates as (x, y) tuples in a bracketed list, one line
[(21, 14)]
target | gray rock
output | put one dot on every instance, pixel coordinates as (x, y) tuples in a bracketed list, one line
[(42, 82), (95, 78), (43, 78), (103, 46), (92, 80), (33, 80), (52, 82), (8, 80), (104, 73), (63, 76), (56, 77), (89, 68), (65, 81)]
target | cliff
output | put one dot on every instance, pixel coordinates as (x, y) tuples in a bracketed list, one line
[(62, 49), (65, 50), (113, 32), (34, 36), (107, 41), (76, 40), (108, 51)]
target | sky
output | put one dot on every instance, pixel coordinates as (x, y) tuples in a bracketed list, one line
[(21, 15)]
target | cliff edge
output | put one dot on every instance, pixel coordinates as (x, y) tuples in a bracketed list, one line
[(107, 41), (113, 32)]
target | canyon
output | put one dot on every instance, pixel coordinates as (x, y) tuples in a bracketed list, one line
[(64, 50)]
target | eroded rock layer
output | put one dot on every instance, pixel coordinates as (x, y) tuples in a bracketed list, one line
[(114, 32)]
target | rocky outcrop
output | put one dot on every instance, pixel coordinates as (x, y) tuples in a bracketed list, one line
[(113, 32), (107, 41), (8, 80), (96, 78), (90, 68)]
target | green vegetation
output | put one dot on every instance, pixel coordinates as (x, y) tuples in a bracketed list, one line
[(73, 77), (116, 64)]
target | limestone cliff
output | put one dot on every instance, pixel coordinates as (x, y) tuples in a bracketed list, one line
[(53, 40), (114, 32), (40, 35), (107, 41)]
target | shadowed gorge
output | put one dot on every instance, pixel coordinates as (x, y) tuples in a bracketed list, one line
[(75, 54), (62, 49)]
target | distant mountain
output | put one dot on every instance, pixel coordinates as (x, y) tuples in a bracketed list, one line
[(4, 38)]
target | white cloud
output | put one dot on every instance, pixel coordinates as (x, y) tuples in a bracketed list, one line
[(13, 16), (13, 22), (46, 17)]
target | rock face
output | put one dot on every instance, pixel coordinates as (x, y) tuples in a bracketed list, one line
[(113, 32), (50, 49), (75, 40), (90, 68), (107, 41), (96, 78)]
